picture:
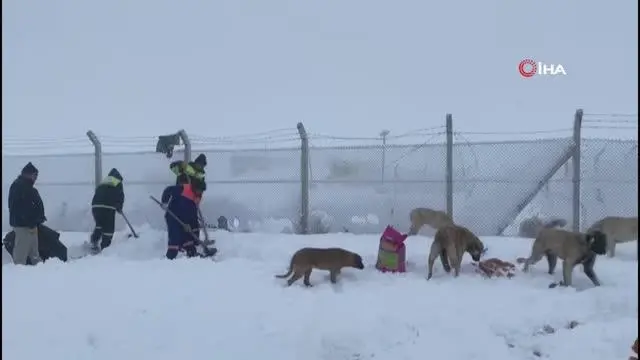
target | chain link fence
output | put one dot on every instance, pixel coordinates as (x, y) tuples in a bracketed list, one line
[(291, 181)]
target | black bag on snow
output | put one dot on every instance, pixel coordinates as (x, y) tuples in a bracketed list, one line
[(49, 244)]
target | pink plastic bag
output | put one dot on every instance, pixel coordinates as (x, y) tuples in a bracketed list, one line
[(392, 251)]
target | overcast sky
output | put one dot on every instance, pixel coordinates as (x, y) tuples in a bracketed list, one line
[(351, 68)]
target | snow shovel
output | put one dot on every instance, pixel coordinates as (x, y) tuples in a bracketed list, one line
[(133, 232), (176, 218), (204, 226)]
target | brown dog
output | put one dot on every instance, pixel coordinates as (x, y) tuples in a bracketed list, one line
[(450, 243), (423, 216), (572, 247), (618, 230), (332, 259)]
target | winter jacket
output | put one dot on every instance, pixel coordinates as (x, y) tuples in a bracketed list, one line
[(191, 172), (183, 203), (25, 204), (110, 193)]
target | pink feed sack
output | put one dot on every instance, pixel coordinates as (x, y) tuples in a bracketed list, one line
[(392, 251)]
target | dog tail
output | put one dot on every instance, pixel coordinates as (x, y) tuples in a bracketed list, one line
[(288, 273), (556, 223)]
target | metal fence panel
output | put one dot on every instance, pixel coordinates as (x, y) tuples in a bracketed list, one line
[(359, 189), (353, 191), (501, 179), (609, 179)]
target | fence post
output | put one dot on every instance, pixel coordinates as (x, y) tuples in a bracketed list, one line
[(97, 154), (187, 145), (577, 137), (449, 169), (383, 135), (304, 179)]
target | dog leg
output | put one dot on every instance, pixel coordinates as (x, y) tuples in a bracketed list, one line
[(587, 266), (413, 230), (445, 261), (454, 260), (307, 276), (433, 255), (333, 276), (553, 261), (567, 272), (532, 260), (611, 245)]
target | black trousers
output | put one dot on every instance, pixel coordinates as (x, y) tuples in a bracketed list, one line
[(105, 226)]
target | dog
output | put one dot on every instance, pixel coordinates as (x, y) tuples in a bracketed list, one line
[(572, 247), (423, 216), (305, 260), (450, 243), (618, 230), (530, 227)]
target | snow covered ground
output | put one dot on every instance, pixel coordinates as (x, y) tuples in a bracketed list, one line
[(129, 303)]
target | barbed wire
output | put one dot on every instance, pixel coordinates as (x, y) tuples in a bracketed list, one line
[(614, 115), (532, 132), (610, 127), (610, 121), (285, 138)]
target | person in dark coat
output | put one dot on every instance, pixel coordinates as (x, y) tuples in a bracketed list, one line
[(181, 201), (107, 200), (26, 212), (191, 172)]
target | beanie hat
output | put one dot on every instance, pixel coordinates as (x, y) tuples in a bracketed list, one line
[(115, 173), (29, 169), (201, 160)]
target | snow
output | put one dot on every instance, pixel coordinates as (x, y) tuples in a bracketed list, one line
[(130, 303)]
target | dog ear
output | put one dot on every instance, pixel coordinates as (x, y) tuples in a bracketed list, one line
[(597, 242), (591, 238)]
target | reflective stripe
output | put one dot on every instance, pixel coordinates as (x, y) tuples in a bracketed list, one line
[(107, 234), (189, 170), (99, 206), (110, 180), (173, 247)]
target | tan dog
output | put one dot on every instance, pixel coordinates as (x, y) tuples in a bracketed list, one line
[(618, 230), (572, 247), (332, 259), (423, 216), (450, 243)]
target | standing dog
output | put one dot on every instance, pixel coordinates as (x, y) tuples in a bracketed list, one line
[(450, 243), (618, 230), (423, 216), (305, 260), (572, 247)]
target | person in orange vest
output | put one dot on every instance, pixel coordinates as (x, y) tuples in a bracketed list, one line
[(181, 201), (191, 172)]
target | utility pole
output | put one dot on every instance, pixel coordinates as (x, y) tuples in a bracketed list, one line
[(383, 135)]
